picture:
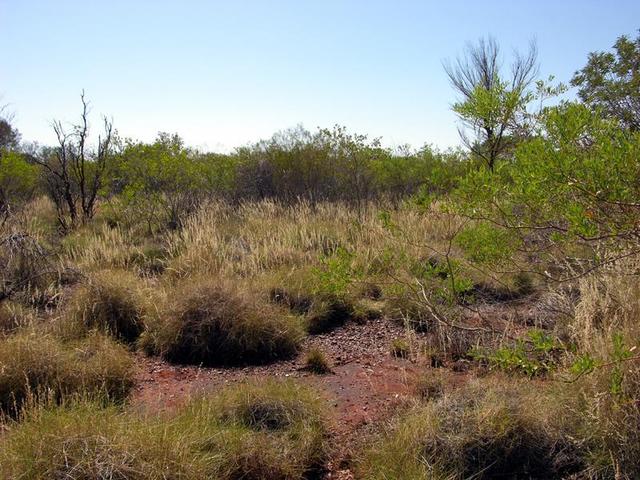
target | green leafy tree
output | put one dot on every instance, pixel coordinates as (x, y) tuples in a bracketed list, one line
[(610, 81), (162, 182), (573, 190), (491, 100), (18, 181)]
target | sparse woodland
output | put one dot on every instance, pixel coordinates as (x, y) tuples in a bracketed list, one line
[(506, 274)]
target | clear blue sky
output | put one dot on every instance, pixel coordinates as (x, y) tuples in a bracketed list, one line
[(223, 73)]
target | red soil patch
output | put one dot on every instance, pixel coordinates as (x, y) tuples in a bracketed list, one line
[(364, 388)]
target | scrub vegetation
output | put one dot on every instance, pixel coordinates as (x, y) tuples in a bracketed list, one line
[(509, 269)]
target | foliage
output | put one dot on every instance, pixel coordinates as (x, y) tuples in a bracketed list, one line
[(18, 181), (576, 184), (610, 82), (535, 355), (335, 274), (486, 244), (160, 183), (491, 101)]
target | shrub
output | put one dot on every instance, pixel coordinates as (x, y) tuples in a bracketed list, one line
[(275, 431), (316, 361), (214, 324), (480, 431), (111, 302), (33, 365)]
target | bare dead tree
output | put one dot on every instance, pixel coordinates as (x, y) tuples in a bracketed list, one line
[(74, 171), (481, 67)]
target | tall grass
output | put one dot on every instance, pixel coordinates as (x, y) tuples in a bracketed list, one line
[(34, 365), (276, 431)]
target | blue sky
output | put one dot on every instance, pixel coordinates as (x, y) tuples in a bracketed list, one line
[(222, 74)]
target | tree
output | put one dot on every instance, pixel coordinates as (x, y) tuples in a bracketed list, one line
[(18, 180), (162, 182), (570, 192), (611, 82), (491, 101), (74, 171)]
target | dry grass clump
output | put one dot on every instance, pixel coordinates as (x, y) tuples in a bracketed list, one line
[(14, 317), (430, 386), (275, 431), (400, 348), (112, 302), (85, 440), (35, 365), (480, 431), (328, 313), (404, 306), (316, 361), (296, 302), (258, 237), (212, 323), (28, 272), (606, 328)]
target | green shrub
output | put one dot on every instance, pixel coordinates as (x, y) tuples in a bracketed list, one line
[(486, 244), (111, 302), (537, 354), (34, 365), (274, 431), (209, 323)]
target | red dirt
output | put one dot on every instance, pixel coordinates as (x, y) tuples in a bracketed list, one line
[(364, 388)]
